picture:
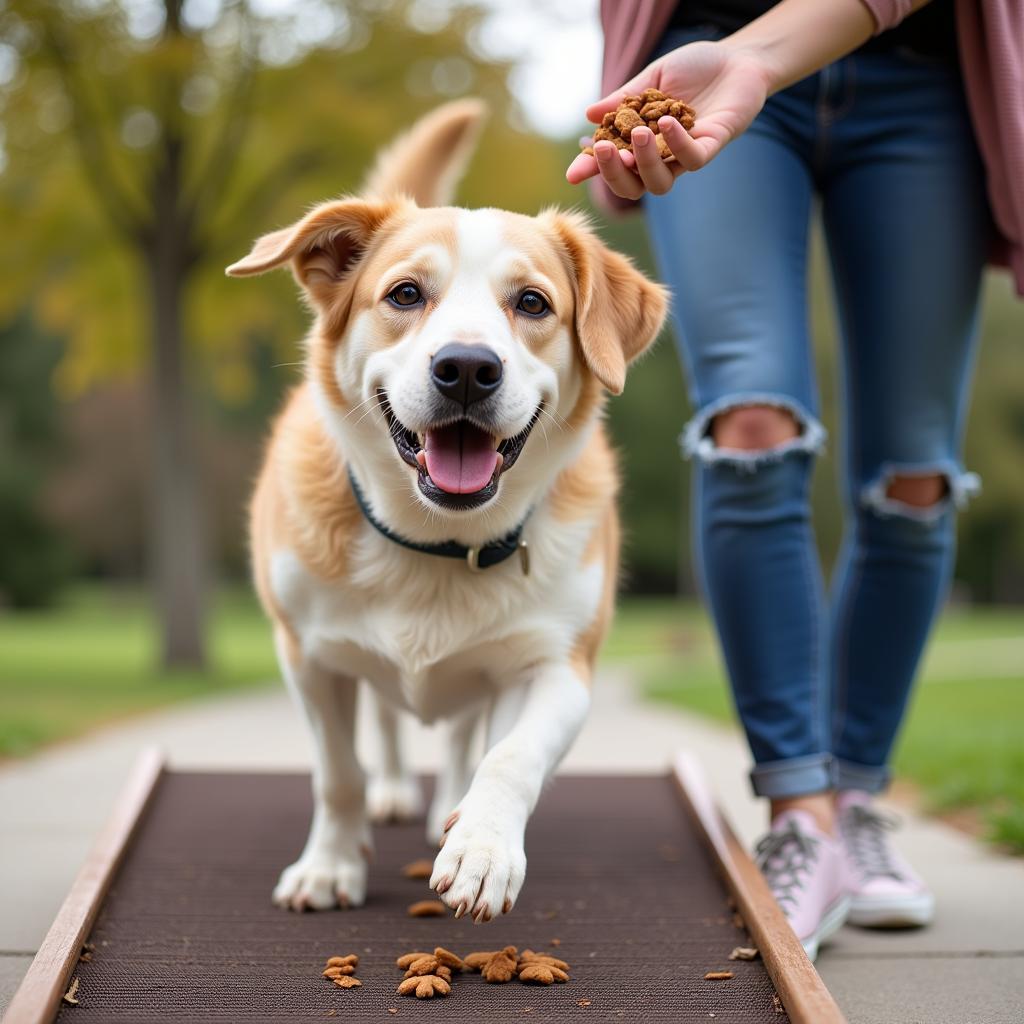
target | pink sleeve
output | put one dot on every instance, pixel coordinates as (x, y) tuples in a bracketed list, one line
[(888, 13)]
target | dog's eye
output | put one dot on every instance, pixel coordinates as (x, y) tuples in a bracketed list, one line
[(405, 295), (533, 304)]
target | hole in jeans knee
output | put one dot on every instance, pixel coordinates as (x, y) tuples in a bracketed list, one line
[(918, 491), (751, 428), (754, 428)]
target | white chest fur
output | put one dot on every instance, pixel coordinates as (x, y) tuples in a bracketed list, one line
[(430, 633)]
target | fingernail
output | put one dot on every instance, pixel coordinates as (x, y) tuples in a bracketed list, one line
[(666, 122), (640, 138), (602, 153)]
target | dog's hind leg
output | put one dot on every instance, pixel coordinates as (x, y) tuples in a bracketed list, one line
[(392, 792), (456, 772), (331, 870)]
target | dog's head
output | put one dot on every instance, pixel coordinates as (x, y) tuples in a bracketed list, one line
[(447, 339)]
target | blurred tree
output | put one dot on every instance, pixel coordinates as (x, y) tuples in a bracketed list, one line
[(144, 143), (34, 560)]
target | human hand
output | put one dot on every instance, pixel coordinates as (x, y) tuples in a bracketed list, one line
[(726, 85)]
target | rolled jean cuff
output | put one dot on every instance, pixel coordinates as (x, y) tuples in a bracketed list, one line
[(866, 777), (795, 776)]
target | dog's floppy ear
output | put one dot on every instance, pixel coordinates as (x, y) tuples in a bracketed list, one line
[(619, 312), (323, 246)]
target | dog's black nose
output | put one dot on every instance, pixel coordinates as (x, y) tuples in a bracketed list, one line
[(466, 373)]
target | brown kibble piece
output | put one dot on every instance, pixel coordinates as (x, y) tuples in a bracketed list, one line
[(556, 942), (743, 953), (343, 961), (449, 959), (405, 960), (337, 972), (528, 956), (418, 869), (718, 976), (496, 966), (346, 981), (424, 965), (582, 1002), (69, 996), (427, 908), (647, 108), (626, 120), (424, 986), (540, 973)]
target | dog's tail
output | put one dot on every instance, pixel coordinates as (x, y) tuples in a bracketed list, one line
[(426, 162)]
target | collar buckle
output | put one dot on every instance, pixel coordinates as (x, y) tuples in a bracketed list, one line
[(473, 559)]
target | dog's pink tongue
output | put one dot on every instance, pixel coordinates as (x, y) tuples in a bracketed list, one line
[(460, 458)]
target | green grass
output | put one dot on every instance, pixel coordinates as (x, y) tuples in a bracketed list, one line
[(963, 743), (94, 660)]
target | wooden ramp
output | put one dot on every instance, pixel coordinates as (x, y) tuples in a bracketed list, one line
[(635, 881)]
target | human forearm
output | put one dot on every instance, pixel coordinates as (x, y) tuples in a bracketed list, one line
[(797, 37)]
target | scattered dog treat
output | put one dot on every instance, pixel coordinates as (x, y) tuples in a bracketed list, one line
[(718, 976), (555, 942), (448, 959), (777, 1003), (744, 953), (424, 986), (419, 869), (337, 972), (352, 960), (427, 908), (582, 1002), (617, 125), (496, 966), (541, 968), (405, 961), (340, 971), (69, 996)]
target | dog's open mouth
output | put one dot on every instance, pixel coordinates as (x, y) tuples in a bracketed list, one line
[(458, 463)]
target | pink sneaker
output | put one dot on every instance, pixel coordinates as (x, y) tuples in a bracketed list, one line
[(886, 892), (805, 870)]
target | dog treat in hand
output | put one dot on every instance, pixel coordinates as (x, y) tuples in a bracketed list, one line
[(617, 125), (418, 869), (427, 908)]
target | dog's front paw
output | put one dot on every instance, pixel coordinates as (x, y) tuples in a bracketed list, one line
[(321, 880), (481, 866), (393, 799)]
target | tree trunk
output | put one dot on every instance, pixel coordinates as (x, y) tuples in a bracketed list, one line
[(178, 549)]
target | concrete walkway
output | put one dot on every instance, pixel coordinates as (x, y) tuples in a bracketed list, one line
[(969, 967)]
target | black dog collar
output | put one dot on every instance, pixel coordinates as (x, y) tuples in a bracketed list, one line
[(477, 559)]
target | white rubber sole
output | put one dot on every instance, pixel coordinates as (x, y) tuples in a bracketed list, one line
[(903, 912), (831, 921)]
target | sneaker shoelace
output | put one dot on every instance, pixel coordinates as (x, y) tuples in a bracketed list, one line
[(866, 833), (785, 857)]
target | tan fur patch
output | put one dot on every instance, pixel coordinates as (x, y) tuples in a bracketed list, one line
[(303, 499)]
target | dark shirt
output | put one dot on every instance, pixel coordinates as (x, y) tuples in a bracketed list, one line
[(928, 32)]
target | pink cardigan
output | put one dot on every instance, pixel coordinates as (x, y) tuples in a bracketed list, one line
[(991, 39)]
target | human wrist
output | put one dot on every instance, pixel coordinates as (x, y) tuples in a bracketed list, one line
[(798, 37)]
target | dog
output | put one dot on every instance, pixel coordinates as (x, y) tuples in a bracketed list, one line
[(436, 512)]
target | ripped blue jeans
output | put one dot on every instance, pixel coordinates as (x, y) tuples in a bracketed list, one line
[(882, 143)]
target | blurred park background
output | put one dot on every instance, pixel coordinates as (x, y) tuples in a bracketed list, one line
[(143, 145)]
